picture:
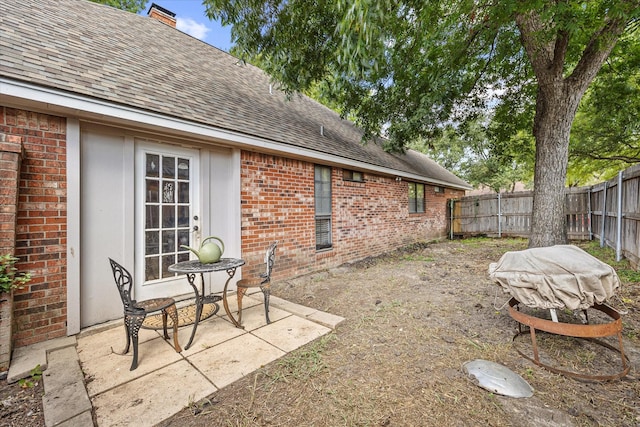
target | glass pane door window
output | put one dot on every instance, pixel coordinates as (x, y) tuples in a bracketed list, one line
[(167, 213)]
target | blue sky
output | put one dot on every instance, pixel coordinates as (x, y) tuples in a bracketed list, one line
[(192, 20)]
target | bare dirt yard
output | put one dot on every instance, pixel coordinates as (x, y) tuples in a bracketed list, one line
[(413, 318), (21, 404)]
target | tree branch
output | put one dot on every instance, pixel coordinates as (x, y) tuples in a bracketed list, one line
[(560, 53), (595, 53), (626, 159), (540, 54)]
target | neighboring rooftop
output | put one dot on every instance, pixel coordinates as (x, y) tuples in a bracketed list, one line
[(104, 53)]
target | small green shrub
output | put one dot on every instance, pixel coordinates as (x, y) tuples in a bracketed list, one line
[(10, 279), (36, 375)]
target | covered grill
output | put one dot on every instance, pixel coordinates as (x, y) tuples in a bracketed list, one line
[(562, 276), (559, 277)]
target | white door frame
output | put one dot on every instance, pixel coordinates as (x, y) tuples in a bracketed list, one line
[(172, 285)]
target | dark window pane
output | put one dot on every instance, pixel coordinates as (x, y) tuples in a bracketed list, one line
[(412, 197), (167, 260), (152, 191), (152, 216), (152, 268), (168, 241), (412, 190), (416, 197), (183, 216), (183, 257), (183, 238), (420, 198), (323, 233), (168, 216), (153, 165), (183, 192), (168, 167), (152, 242), (183, 168), (349, 175)]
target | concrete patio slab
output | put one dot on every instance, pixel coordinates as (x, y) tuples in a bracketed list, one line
[(253, 317), (65, 393), (27, 358), (291, 333), (110, 340), (105, 371), (327, 319), (232, 360), (165, 382), (85, 419), (297, 309), (210, 333), (149, 399)]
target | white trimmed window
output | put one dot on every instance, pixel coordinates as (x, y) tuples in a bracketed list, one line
[(322, 182), (349, 175), (416, 197)]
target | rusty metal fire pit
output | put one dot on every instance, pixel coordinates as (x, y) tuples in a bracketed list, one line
[(561, 277), (589, 332)]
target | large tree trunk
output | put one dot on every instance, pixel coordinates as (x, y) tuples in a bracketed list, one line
[(556, 104), (555, 111)]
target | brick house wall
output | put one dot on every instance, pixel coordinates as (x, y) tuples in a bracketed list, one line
[(368, 218), (40, 310), (277, 203)]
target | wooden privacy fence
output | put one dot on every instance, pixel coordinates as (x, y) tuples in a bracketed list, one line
[(609, 211)]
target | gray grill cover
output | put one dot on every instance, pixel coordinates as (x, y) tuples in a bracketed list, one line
[(562, 276)]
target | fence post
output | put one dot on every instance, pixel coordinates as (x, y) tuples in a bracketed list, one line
[(589, 214), (619, 220), (604, 213), (499, 217)]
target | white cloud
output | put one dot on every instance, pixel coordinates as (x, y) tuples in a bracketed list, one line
[(193, 28)]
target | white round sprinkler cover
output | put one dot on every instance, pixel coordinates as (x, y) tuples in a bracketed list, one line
[(497, 378)]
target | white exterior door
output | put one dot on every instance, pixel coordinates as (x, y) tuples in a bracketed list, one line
[(167, 216), (138, 202)]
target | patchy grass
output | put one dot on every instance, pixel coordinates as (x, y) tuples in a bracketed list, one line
[(605, 254), (413, 318)]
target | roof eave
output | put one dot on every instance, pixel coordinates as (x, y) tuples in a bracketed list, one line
[(54, 101)]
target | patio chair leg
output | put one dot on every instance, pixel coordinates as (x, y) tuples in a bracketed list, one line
[(173, 313), (127, 321), (134, 362), (136, 322), (266, 290), (164, 323), (240, 294)]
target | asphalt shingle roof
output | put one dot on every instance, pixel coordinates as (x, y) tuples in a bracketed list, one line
[(104, 53)]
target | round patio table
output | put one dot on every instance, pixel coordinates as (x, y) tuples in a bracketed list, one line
[(194, 267)]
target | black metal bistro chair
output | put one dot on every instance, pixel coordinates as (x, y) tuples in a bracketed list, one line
[(263, 281), (136, 311)]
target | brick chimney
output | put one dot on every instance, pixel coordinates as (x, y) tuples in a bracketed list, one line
[(163, 15)]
